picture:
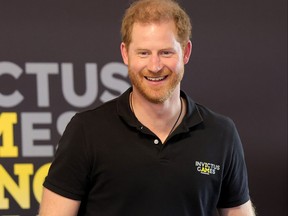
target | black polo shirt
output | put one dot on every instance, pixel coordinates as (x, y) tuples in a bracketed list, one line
[(118, 167)]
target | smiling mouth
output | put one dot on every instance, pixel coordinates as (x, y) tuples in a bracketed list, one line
[(156, 79)]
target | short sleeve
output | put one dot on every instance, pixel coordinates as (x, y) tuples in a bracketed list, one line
[(69, 171), (234, 189)]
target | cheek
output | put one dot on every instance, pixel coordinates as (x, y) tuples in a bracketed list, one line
[(136, 66), (174, 65)]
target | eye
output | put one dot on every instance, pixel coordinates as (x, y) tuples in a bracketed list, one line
[(166, 53), (142, 53)]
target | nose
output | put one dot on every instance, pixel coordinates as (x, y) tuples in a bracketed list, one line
[(154, 64)]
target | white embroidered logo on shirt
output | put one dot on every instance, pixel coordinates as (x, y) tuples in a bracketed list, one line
[(207, 168)]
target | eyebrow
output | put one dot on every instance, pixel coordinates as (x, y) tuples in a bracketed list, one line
[(143, 49)]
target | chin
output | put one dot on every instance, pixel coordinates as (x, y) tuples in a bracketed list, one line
[(159, 98)]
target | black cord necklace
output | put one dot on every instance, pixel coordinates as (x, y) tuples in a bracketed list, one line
[(177, 120), (175, 124)]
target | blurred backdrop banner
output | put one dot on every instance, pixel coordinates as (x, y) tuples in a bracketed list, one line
[(62, 57)]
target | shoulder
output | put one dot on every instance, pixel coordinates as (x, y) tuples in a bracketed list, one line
[(100, 112), (202, 116), (219, 126), (211, 117), (107, 110)]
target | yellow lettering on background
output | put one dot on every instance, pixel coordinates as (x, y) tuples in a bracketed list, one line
[(20, 192), (8, 149), (39, 177)]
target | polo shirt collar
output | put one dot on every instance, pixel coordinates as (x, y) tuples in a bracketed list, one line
[(192, 118)]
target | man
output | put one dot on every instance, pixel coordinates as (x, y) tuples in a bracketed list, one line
[(152, 151)]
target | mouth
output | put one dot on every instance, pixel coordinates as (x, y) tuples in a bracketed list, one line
[(156, 79)]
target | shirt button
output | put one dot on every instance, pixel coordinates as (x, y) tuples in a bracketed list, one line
[(156, 141)]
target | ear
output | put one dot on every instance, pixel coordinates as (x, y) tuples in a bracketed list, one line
[(187, 52), (124, 52)]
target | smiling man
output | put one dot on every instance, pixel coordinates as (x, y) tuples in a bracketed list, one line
[(153, 150)]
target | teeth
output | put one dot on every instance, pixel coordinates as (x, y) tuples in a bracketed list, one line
[(155, 78)]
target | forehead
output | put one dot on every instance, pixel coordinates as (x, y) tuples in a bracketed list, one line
[(155, 31)]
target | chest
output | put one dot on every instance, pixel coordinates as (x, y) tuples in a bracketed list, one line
[(184, 165)]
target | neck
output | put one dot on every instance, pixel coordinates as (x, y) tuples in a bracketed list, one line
[(162, 119)]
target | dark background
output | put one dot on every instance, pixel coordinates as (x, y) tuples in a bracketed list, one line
[(238, 68)]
